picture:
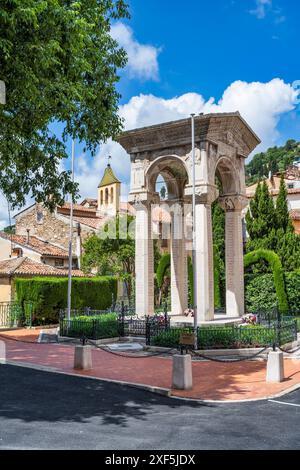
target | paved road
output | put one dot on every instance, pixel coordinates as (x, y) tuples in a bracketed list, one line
[(40, 410)]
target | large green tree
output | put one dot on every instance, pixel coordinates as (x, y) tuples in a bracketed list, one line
[(112, 253), (59, 63), (275, 159), (271, 228)]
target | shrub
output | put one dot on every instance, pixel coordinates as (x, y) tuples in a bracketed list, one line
[(163, 265), (92, 327), (278, 275), (49, 295), (260, 293)]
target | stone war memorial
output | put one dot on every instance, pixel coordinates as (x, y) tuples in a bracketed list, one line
[(223, 142)]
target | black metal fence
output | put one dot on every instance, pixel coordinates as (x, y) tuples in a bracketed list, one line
[(271, 329), (228, 337), (93, 324), (13, 314)]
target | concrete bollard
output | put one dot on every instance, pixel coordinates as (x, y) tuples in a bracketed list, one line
[(83, 357), (182, 372), (275, 367)]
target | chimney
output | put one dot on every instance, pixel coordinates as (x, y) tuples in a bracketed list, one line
[(28, 237), (78, 243)]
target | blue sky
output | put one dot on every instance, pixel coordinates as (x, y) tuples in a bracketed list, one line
[(208, 56), (203, 56)]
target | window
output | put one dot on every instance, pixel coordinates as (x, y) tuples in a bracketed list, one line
[(101, 197), (17, 252), (39, 217), (59, 263), (290, 185), (106, 196), (112, 195)]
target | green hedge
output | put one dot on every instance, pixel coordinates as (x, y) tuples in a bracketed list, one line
[(165, 262), (50, 294), (92, 327), (278, 274), (260, 293), (163, 265), (220, 337)]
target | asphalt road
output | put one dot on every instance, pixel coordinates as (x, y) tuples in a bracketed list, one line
[(41, 410)]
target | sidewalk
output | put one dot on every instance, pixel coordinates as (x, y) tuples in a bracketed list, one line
[(212, 381)]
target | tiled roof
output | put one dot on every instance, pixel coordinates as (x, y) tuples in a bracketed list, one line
[(77, 208), (273, 192), (108, 178), (295, 214), (27, 267), (92, 222), (35, 244)]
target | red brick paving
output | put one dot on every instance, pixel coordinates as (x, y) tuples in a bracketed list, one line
[(212, 381)]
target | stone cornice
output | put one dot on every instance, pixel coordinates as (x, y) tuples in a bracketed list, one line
[(229, 128)]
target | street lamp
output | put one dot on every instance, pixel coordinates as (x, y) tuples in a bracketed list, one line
[(2, 92), (71, 239), (194, 236)]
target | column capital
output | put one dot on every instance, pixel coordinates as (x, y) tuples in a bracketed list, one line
[(144, 198), (233, 202), (205, 193)]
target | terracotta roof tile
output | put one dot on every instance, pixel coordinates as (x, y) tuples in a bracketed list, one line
[(295, 214), (27, 267), (40, 246)]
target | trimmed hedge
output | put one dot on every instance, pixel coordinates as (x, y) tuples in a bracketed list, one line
[(91, 327), (49, 295), (278, 274), (165, 263), (260, 293), (220, 337)]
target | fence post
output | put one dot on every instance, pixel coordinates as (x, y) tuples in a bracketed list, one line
[(94, 329), (166, 316), (122, 319), (295, 330), (148, 331)]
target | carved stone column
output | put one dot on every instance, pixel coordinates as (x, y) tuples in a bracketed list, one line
[(144, 262), (179, 288), (234, 256), (204, 254)]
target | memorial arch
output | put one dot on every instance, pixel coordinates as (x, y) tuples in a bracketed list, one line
[(223, 142)]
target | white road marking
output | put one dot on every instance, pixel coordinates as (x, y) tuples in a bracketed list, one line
[(284, 403)]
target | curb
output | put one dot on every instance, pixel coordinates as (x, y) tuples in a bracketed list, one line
[(149, 388)]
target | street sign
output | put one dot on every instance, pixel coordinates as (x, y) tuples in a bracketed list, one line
[(2, 92)]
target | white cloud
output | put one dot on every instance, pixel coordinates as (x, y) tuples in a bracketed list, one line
[(262, 6), (142, 58), (261, 104)]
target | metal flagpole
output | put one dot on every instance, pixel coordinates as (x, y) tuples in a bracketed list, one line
[(71, 238), (194, 236)]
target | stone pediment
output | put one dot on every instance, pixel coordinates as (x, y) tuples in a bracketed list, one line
[(175, 137)]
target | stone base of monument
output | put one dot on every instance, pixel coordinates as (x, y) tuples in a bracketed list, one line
[(182, 378), (83, 357), (275, 367)]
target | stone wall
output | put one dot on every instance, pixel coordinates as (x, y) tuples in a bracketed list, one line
[(5, 289), (48, 226)]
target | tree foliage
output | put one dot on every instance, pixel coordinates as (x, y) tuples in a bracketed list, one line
[(59, 63), (274, 261), (107, 255), (269, 227), (274, 160)]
